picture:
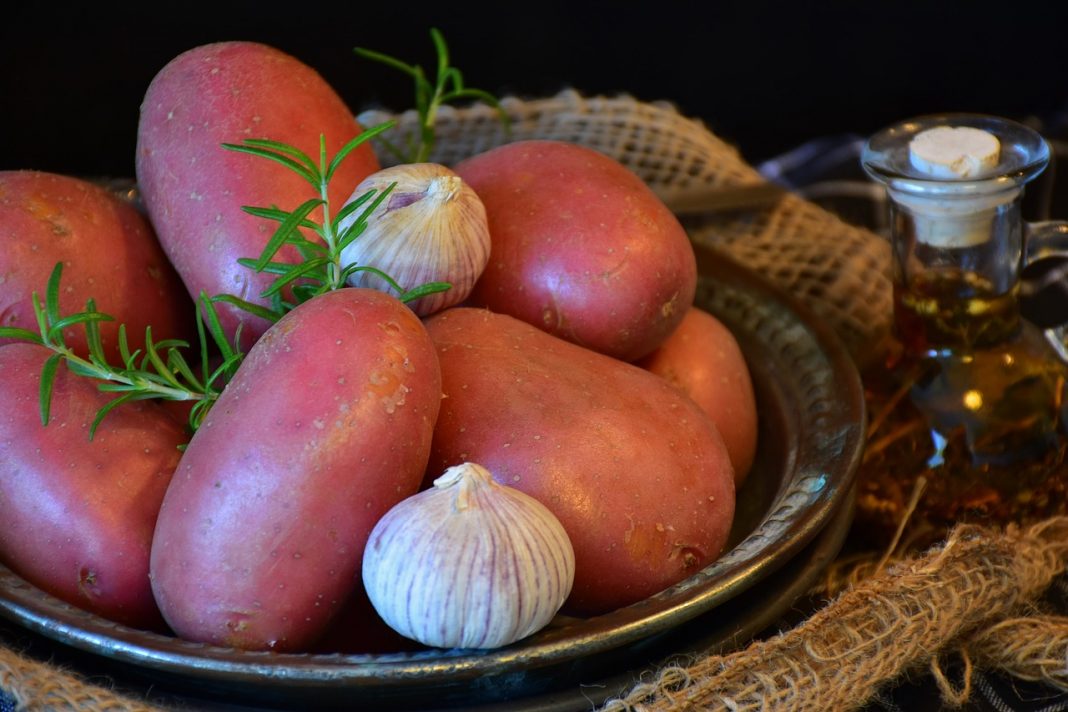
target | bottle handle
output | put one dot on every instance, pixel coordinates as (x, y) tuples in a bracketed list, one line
[(1045, 240)]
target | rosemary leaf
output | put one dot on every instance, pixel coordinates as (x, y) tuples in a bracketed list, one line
[(304, 292), (310, 250), (443, 53), (293, 273), (52, 294), (275, 214), (41, 317), (211, 317), (296, 166), (386, 60), (152, 352), (283, 148), (424, 290), (13, 332), (224, 368), (287, 228), (124, 347), (269, 268), (357, 227), (355, 205), (110, 406), (92, 334), (480, 95), (87, 370), (455, 78), (197, 413), (250, 307), (169, 344), (48, 381), (355, 143), (57, 326), (112, 387)]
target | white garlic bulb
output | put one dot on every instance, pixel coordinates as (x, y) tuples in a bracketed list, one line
[(431, 228), (468, 563)]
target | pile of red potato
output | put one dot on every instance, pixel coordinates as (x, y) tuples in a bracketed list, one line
[(576, 371)]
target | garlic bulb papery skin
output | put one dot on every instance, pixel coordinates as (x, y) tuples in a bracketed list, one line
[(468, 563), (431, 228)]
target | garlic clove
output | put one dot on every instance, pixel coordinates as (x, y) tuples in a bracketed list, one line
[(468, 563), (432, 227)]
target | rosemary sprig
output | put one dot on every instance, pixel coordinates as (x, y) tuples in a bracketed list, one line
[(158, 371), (448, 87), (320, 269)]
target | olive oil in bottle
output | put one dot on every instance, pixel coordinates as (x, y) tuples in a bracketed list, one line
[(969, 402)]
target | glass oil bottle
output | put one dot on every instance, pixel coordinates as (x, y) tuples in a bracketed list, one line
[(967, 412)]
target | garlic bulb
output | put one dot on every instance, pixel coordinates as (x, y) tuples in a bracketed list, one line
[(468, 563), (430, 228)]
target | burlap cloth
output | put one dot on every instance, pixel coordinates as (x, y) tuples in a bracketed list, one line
[(974, 596)]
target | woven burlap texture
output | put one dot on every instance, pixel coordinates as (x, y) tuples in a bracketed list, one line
[(959, 598), (840, 271), (40, 686)]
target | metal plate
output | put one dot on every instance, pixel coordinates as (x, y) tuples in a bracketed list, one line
[(811, 410)]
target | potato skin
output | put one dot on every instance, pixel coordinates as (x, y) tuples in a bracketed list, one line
[(324, 427), (194, 189), (635, 471), (702, 358), (580, 247), (77, 516), (109, 253)]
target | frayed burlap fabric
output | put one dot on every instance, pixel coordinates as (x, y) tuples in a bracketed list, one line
[(840, 271), (962, 598), (35, 685)]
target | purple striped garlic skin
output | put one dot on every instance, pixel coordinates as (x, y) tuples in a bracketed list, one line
[(468, 563), (432, 227)]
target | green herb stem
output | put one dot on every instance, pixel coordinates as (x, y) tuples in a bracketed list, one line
[(321, 267), (334, 268), (159, 371), (128, 379), (448, 87)]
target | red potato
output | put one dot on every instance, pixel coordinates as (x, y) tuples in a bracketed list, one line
[(634, 470), (702, 358), (109, 253), (77, 516), (194, 189), (324, 427), (580, 247)]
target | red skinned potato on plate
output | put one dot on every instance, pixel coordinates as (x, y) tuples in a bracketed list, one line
[(702, 358), (109, 253), (634, 470), (77, 515), (194, 189), (324, 427), (580, 247)]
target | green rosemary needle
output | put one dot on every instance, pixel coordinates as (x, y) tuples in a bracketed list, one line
[(320, 268), (448, 87), (159, 371)]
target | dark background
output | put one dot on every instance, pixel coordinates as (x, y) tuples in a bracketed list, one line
[(764, 75)]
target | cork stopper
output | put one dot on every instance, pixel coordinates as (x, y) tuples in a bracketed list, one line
[(949, 152), (955, 153)]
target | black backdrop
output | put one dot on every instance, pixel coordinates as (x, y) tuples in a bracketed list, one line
[(763, 75)]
